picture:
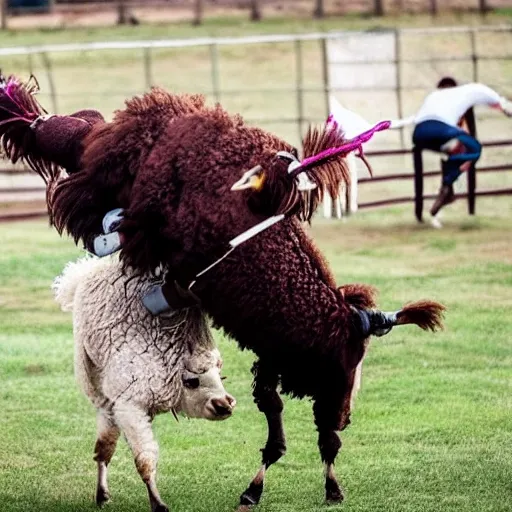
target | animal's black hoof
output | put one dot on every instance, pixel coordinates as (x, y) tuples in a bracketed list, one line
[(252, 495), (102, 496), (160, 508), (333, 492)]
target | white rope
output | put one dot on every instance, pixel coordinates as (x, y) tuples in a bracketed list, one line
[(258, 228), (240, 239)]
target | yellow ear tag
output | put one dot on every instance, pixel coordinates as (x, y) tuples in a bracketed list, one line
[(257, 182)]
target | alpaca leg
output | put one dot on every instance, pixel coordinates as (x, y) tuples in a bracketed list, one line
[(136, 426), (107, 436), (269, 402), (331, 415)]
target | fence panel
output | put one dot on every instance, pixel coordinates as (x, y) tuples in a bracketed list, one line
[(282, 82)]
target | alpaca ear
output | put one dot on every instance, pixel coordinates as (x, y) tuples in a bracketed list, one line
[(251, 179)]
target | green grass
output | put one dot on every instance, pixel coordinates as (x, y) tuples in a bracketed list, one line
[(432, 427)]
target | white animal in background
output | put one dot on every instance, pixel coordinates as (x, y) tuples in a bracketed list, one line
[(352, 124), (133, 365)]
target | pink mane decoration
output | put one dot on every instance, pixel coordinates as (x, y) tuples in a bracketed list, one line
[(17, 102), (344, 149)]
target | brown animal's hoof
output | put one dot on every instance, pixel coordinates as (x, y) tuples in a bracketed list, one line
[(333, 492), (160, 508), (252, 495), (102, 496)]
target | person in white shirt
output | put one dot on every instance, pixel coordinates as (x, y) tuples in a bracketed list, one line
[(437, 128)]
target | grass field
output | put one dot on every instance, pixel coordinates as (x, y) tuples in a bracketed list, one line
[(432, 428)]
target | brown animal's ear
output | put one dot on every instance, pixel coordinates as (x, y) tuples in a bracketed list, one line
[(89, 115), (252, 179)]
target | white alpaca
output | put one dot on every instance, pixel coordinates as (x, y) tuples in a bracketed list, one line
[(133, 365)]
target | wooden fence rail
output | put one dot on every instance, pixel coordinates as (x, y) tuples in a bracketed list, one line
[(417, 199)]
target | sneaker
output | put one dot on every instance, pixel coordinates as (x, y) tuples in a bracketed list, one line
[(107, 244), (436, 223), (445, 196), (112, 220)]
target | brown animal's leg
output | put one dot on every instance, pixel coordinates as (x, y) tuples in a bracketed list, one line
[(269, 403), (332, 413), (329, 444), (136, 426), (107, 436)]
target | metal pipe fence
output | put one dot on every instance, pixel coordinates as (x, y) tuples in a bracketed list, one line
[(420, 56), (29, 213), (292, 84)]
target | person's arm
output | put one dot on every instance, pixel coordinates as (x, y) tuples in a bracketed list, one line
[(505, 106), (484, 95), (399, 123)]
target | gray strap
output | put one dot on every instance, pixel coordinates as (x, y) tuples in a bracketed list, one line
[(154, 300)]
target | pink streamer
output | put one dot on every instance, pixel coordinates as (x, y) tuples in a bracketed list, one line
[(352, 145), (10, 84)]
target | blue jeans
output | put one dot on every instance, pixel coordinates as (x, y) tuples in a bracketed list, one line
[(434, 134)]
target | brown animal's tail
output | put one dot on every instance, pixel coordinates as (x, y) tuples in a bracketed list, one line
[(426, 314), (19, 111)]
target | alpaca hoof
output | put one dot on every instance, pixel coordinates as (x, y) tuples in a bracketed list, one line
[(102, 496), (160, 508), (333, 492), (252, 495), (112, 220), (154, 300), (104, 245)]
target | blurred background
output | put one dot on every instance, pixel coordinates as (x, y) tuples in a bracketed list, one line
[(274, 61)]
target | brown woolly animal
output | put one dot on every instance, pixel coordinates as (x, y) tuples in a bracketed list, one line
[(274, 294)]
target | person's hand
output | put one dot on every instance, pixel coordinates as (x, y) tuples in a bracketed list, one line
[(506, 107)]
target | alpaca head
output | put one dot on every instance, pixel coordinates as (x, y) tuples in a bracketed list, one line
[(203, 393), (299, 187)]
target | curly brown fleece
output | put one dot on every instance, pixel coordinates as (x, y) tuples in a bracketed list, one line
[(275, 294)]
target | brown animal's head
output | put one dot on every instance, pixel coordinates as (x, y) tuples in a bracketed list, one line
[(292, 187), (45, 142)]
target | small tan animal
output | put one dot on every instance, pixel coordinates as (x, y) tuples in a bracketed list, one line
[(133, 365)]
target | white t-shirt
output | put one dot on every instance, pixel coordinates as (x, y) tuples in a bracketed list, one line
[(450, 104)]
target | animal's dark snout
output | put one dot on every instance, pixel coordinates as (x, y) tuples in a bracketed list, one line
[(223, 406)]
